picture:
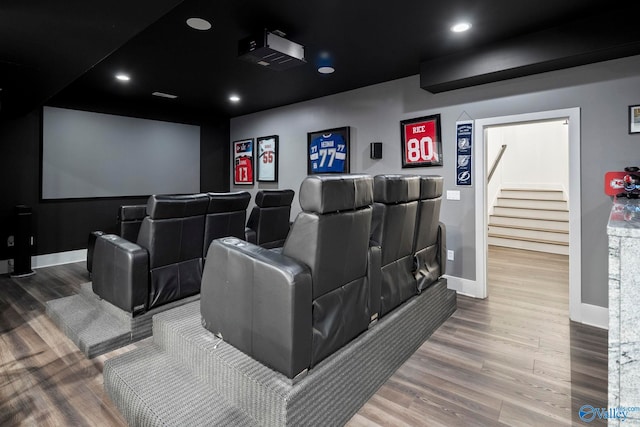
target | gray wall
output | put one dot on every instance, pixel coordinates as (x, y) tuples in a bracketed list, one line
[(603, 92)]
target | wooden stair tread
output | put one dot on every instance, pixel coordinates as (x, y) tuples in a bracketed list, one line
[(526, 239), (520, 227), (531, 199), (532, 209), (533, 189), (524, 217)]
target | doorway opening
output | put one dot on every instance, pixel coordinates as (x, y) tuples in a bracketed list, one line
[(515, 185)]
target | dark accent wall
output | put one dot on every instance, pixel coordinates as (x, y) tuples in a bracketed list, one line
[(60, 226), (215, 152)]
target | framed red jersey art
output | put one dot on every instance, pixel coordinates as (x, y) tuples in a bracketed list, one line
[(421, 142), (243, 162)]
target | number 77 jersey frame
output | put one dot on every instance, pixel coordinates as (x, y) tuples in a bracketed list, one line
[(421, 142), (328, 151)]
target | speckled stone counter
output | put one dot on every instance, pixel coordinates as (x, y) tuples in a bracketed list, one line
[(624, 308)]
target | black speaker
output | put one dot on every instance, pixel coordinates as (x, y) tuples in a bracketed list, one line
[(23, 242), (376, 150)]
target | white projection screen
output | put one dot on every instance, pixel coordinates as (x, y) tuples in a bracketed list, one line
[(91, 155)]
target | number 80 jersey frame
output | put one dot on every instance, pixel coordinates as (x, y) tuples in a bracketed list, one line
[(421, 142)]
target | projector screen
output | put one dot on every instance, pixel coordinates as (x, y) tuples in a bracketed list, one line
[(89, 155)]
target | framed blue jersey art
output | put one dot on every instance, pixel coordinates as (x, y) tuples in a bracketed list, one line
[(328, 151)]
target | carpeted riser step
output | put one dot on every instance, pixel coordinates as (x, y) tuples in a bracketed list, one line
[(96, 326), (151, 389), (327, 395), (91, 329)]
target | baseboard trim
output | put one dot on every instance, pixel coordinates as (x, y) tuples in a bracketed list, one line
[(594, 315), (49, 260), (467, 287)]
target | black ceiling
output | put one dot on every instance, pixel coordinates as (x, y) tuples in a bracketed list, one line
[(67, 55)]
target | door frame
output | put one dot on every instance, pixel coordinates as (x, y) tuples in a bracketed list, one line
[(480, 176)]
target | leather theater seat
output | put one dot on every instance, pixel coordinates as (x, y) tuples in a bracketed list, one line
[(292, 309), (430, 247), (269, 221), (393, 229), (165, 262), (129, 220), (226, 216)]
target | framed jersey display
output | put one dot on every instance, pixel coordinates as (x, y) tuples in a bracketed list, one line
[(267, 159), (421, 142), (328, 151), (243, 162)]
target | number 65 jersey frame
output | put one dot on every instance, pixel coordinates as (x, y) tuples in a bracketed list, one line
[(267, 158), (421, 142)]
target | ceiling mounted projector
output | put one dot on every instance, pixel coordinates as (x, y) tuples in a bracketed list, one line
[(271, 50)]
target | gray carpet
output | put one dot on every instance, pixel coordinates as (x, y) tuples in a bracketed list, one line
[(184, 361), (96, 326)]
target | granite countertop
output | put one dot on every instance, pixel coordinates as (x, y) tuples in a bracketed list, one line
[(624, 220)]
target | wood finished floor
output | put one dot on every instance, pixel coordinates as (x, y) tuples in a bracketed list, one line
[(513, 359)]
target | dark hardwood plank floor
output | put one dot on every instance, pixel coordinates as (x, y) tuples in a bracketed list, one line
[(513, 359)]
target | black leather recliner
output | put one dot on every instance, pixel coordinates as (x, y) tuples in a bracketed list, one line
[(292, 309), (393, 229), (165, 263), (430, 245), (226, 216), (268, 223), (129, 220)]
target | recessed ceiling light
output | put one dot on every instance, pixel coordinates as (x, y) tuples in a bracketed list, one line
[(164, 95), (461, 27), (123, 77), (326, 69), (234, 98), (199, 24)]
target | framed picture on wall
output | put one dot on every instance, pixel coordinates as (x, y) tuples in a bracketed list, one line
[(634, 119), (328, 151), (243, 162), (421, 142), (267, 159)]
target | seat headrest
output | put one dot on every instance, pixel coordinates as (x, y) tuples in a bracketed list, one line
[(332, 193), (396, 188), (132, 212), (274, 198), (177, 206), (431, 186), (228, 202)]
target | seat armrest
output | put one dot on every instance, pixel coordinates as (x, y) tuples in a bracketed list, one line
[(259, 301), (250, 235), (374, 277), (121, 273), (91, 244), (442, 243)]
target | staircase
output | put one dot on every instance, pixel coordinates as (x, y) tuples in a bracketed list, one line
[(535, 220)]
